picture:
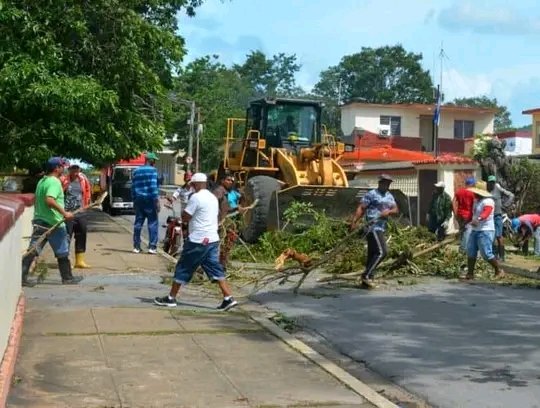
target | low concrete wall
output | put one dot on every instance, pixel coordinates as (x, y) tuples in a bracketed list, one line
[(15, 222)]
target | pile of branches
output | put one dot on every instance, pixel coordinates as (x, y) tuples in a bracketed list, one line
[(326, 245)]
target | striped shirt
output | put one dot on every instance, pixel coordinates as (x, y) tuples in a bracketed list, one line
[(145, 183)]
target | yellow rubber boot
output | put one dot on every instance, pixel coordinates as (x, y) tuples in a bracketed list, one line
[(79, 261)]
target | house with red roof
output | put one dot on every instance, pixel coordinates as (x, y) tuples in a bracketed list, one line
[(410, 126)]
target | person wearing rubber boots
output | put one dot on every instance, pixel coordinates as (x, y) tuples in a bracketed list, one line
[(483, 234), (48, 211), (77, 192), (201, 247), (376, 205)]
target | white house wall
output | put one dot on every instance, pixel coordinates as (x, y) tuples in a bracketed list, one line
[(518, 146), (368, 118)]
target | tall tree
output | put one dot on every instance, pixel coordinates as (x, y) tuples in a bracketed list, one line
[(219, 93), (273, 76), (387, 74), (502, 117), (86, 79), (376, 75)]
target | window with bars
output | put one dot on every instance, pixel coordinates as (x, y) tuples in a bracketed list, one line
[(394, 122), (463, 129)]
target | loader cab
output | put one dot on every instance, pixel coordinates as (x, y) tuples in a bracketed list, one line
[(286, 123)]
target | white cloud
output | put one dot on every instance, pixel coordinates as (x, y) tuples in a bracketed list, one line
[(486, 18), (457, 84), (515, 87)]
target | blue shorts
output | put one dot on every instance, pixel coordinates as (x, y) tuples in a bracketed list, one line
[(497, 218), (195, 255), (481, 241), (58, 240)]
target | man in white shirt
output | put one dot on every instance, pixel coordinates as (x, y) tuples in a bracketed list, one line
[(202, 245), (483, 233)]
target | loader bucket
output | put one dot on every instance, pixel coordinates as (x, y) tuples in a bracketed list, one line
[(336, 202)]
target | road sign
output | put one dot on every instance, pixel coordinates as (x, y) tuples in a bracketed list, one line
[(189, 160)]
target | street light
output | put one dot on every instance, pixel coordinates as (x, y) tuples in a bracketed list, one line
[(191, 104)]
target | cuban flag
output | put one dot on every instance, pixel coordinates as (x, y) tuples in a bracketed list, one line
[(437, 113)]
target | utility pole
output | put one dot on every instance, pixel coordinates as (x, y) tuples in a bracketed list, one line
[(191, 104), (191, 132), (198, 143)]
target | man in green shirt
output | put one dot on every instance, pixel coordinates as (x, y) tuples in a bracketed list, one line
[(440, 211), (49, 210)]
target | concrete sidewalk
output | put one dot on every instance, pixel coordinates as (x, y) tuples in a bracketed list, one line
[(103, 344)]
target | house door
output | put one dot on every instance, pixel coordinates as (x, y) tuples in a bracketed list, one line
[(426, 132), (426, 180)]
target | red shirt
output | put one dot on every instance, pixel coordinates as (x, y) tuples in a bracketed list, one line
[(532, 219), (465, 202)]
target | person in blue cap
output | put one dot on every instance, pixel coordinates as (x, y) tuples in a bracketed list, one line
[(527, 226), (48, 211), (463, 204)]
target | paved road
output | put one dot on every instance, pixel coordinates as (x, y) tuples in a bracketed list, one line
[(103, 344), (456, 345)]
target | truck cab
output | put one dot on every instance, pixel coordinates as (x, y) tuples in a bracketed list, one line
[(117, 181)]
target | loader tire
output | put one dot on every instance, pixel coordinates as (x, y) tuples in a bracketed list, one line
[(256, 220)]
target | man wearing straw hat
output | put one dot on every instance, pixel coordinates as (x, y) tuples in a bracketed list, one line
[(483, 234)]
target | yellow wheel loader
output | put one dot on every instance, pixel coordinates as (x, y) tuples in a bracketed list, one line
[(285, 155)]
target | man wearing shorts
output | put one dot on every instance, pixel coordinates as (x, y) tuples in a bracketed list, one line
[(483, 234), (201, 247)]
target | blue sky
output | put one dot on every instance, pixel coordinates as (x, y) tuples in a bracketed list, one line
[(492, 47)]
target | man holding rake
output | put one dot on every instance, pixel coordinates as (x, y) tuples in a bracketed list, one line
[(49, 211)]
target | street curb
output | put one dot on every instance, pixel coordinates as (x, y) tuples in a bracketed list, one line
[(341, 375), (7, 367), (526, 273), (331, 368)]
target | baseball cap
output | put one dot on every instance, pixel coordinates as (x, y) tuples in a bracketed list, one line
[(151, 156), (385, 177), (55, 162), (440, 184), (199, 178), (492, 178), (516, 223), (470, 181)]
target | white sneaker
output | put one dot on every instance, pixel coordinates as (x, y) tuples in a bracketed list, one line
[(152, 251), (136, 250)]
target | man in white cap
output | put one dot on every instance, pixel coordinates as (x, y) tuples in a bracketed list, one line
[(202, 245), (377, 205), (440, 211), (483, 234)]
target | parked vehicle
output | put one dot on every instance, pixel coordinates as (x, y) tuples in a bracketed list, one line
[(116, 180), (175, 233)]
